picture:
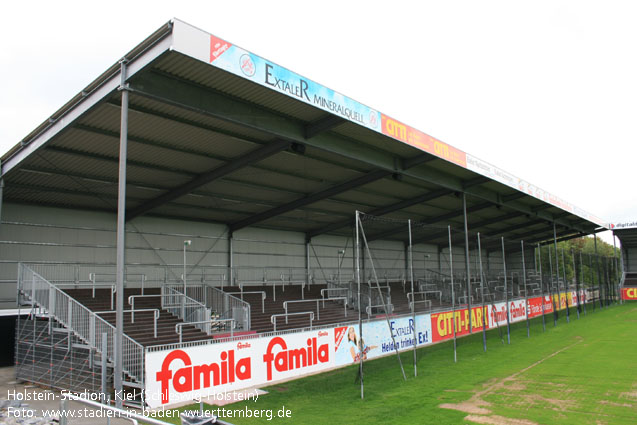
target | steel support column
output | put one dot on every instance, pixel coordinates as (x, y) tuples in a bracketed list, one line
[(1, 196), (568, 313), (466, 256), (506, 291), (360, 319), (231, 276), (557, 271), (539, 249), (599, 274), (617, 272), (121, 240), (410, 264)]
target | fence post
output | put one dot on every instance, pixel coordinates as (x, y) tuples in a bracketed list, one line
[(104, 369), (63, 410), (69, 314), (506, 291)]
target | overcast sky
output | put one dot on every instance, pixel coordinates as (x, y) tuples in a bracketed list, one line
[(546, 90)]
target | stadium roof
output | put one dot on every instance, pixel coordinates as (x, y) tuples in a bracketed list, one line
[(219, 134)]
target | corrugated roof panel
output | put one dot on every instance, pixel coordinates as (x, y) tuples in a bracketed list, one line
[(283, 182), (336, 160), (314, 169), (391, 187), (356, 196), (188, 116), (220, 203), (335, 207), (154, 130), (230, 84), (90, 143), (80, 164), (231, 188), (169, 210), (170, 159)]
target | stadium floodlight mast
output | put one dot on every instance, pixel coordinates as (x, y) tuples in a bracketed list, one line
[(183, 298)]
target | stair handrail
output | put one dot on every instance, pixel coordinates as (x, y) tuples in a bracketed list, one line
[(188, 309), (209, 324), (225, 305), (80, 320)]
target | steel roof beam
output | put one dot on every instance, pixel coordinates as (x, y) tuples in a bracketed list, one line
[(256, 155), (108, 182), (475, 225), (322, 124), (382, 211), (114, 160), (430, 220), (309, 199), (199, 99), (370, 177)]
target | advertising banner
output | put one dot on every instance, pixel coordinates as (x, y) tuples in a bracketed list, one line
[(535, 307), (442, 324), (377, 340), (498, 313), (222, 54), (174, 376), (629, 294), (178, 375)]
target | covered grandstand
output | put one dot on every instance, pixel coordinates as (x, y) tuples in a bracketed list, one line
[(197, 193)]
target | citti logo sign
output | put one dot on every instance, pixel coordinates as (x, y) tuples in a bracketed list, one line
[(189, 377)]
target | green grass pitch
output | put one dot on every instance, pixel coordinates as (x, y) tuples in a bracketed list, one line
[(582, 372)]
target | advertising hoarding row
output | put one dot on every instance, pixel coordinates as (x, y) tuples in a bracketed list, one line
[(242, 63), (179, 375)]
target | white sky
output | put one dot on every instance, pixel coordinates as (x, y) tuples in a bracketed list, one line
[(546, 90)]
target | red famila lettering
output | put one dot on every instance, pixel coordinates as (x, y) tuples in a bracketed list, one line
[(189, 378), (285, 359)]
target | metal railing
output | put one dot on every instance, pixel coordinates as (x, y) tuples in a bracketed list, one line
[(328, 290), (274, 316), (84, 323), (93, 277), (220, 303), (209, 325), (112, 286), (426, 302), (411, 295), (369, 309), (139, 310), (181, 305), (251, 292)]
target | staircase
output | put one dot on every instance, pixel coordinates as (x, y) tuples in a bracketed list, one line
[(140, 325), (84, 315)]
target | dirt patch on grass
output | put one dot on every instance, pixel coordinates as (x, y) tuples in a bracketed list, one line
[(468, 407), (476, 406), (498, 420)]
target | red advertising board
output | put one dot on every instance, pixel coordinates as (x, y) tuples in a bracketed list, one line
[(629, 294), (442, 324)]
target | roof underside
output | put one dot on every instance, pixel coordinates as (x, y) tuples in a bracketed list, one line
[(206, 145)]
